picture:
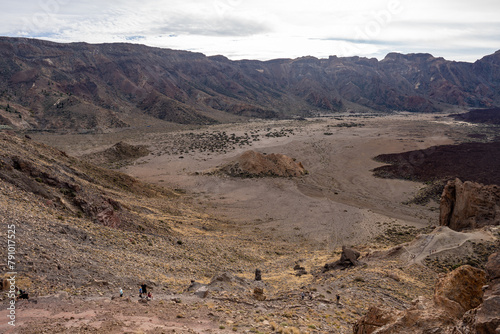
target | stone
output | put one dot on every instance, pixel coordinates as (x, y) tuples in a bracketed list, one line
[(376, 317), (202, 292), (469, 205), (258, 275), (348, 258), (460, 290), (485, 319), (258, 294), (492, 267), (108, 217), (455, 295)]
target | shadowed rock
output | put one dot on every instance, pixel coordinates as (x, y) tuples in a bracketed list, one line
[(468, 205), (454, 294), (258, 275), (486, 318), (348, 258)]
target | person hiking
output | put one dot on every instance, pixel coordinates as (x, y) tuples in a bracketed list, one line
[(144, 288), (150, 296), (121, 292), (140, 292)]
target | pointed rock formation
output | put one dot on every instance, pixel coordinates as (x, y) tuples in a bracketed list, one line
[(468, 205)]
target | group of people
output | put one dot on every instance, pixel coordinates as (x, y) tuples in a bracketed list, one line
[(21, 294), (143, 292), (309, 295)]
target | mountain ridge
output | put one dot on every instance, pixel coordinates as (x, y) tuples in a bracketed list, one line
[(76, 86)]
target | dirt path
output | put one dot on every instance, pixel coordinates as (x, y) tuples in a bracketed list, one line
[(442, 240)]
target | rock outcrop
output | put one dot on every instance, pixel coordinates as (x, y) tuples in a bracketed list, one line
[(485, 318), (460, 290), (468, 205), (348, 258), (255, 164), (454, 294), (121, 152)]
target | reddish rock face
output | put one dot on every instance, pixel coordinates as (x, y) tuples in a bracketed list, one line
[(255, 164), (468, 205), (455, 294), (460, 290), (81, 86), (493, 267)]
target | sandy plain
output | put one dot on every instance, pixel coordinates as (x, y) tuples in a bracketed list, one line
[(338, 202)]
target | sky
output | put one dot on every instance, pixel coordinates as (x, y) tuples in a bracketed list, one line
[(460, 30)]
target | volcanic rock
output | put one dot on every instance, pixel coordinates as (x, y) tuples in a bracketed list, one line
[(460, 290), (486, 318), (454, 294), (255, 164), (258, 275), (258, 293), (348, 258), (468, 205)]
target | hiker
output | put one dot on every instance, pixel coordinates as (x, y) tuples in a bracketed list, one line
[(22, 294), (144, 288), (150, 296), (121, 292), (140, 292), (302, 295), (338, 299)]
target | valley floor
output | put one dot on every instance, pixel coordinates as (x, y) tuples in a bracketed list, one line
[(302, 221)]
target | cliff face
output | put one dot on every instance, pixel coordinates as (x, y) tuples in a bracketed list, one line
[(469, 205), (79, 85)]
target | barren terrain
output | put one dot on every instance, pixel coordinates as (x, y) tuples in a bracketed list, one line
[(220, 224), (339, 198)]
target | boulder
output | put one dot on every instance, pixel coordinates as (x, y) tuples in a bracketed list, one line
[(492, 267), (469, 205), (376, 317), (258, 294), (258, 275), (421, 318), (460, 290), (455, 294), (198, 289), (348, 258), (486, 318)]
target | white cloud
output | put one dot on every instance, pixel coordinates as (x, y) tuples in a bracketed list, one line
[(459, 29)]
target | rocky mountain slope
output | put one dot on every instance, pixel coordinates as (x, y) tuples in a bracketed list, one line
[(45, 85)]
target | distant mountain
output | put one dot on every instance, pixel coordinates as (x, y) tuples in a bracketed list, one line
[(46, 85)]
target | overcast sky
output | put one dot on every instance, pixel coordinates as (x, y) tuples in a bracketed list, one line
[(264, 29)]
